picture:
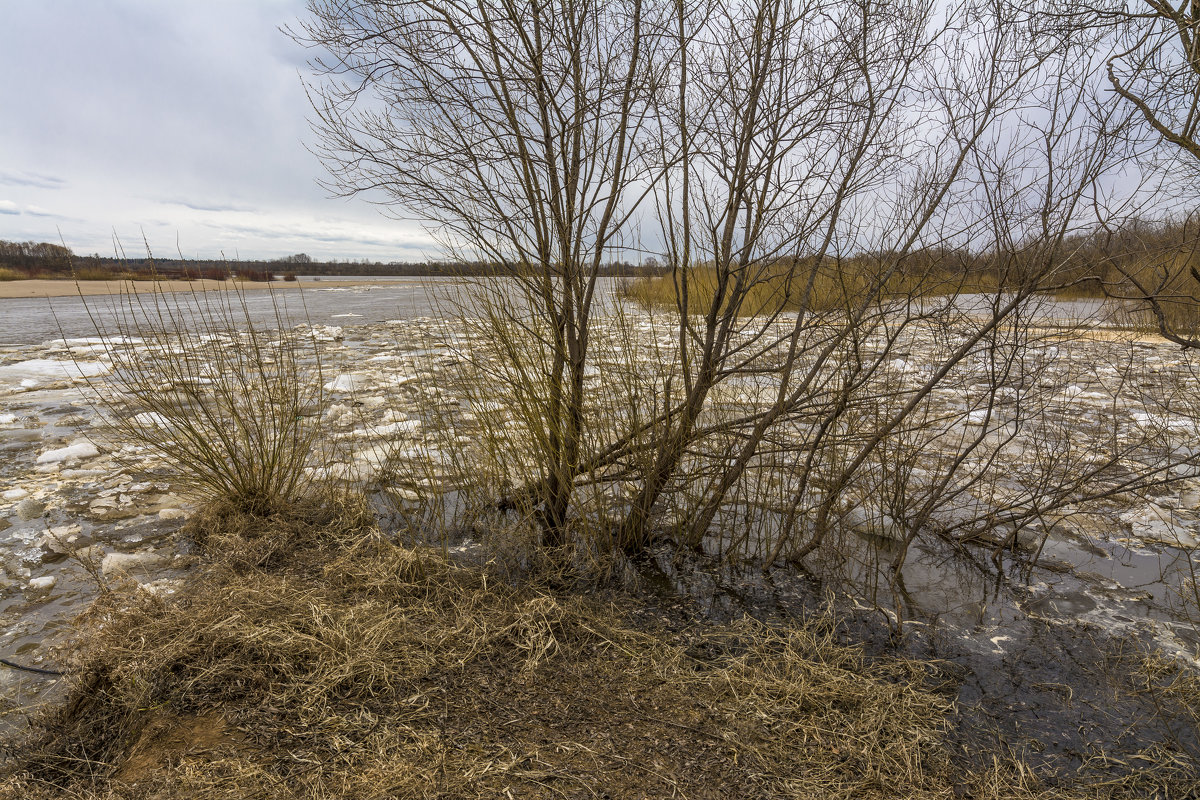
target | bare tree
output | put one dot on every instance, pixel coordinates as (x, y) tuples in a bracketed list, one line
[(862, 207), (517, 132), (1158, 70), (1154, 66)]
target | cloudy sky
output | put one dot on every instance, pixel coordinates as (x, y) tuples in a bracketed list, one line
[(183, 120)]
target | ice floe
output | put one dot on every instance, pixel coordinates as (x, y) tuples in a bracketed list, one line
[(344, 383), (37, 372), (72, 452)]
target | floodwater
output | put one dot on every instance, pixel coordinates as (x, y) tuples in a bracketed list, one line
[(1027, 646), (33, 321), (26, 321)]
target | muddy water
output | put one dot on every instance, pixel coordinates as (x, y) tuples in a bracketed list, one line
[(1052, 689)]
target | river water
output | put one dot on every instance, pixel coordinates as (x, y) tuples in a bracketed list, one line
[(1016, 636), (26, 321)]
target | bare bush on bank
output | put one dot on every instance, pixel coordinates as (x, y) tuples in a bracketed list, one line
[(230, 404)]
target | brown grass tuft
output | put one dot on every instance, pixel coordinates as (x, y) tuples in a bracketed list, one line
[(363, 669)]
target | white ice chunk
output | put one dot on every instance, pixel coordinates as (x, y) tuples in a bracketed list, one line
[(90, 345), (1175, 424), (1075, 392), (397, 427), (38, 371), (151, 419), (72, 452), (343, 383), (133, 562), (322, 333), (88, 341)]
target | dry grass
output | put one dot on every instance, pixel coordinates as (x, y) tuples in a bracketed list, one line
[(343, 666), (831, 286), (773, 290), (312, 658), (95, 274), (843, 284), (1164, 274), (10, 274)]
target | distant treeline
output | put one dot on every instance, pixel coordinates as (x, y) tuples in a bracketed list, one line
[(1162, 253), (42, 260)]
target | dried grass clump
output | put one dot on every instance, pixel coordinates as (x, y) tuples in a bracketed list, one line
[(833, 286), (10, 274), (341, 665), (95, 274), (828, 287), (363, 669)]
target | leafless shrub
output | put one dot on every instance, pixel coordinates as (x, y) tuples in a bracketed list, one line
[(231, 407)]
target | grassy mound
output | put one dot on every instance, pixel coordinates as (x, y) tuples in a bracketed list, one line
[(311, 658)]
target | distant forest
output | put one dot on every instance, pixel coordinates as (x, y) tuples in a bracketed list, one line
[(44, 260), (1164, 254)]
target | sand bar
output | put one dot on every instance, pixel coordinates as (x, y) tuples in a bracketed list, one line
[(67, 288)]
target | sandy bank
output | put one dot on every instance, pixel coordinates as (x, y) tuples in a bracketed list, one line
[(66, 288)]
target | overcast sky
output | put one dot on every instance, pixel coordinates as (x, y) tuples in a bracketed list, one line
[(184, 120)]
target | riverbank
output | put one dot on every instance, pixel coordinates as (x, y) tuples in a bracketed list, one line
[(41, 288), (310, 656)]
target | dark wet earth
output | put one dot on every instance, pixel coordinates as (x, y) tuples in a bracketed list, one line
[(1059, 695)]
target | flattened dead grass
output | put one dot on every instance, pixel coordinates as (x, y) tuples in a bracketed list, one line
[(340, 665)]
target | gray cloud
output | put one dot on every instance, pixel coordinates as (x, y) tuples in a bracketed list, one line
[(337, 232), (32, 179), (38, 211), (9, 207), (198, 206), (182, 121)]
